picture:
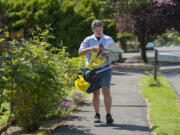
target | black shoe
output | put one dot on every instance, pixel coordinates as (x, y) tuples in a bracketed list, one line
[(109, 119), (97, 118)]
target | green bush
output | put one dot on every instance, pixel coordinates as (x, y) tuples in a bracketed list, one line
[(110, 28), (126, 41), (34, 88), (70, 20), (37, 78)]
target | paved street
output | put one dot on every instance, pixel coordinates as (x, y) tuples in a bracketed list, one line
[(136, 57), (173, 50), (128, 110)]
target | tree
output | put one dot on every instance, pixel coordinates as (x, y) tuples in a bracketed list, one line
[(111, 8), (153, 18)]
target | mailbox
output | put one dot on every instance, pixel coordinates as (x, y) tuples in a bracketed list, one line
[(166, 57)]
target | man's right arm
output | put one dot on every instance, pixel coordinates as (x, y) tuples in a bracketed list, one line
[(87, 50)]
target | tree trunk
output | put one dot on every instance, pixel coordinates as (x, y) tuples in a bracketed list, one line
[(143, 41), (143, 53), (135, 43), (123, 43)]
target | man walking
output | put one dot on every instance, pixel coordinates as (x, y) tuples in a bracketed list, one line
[(104, 72)]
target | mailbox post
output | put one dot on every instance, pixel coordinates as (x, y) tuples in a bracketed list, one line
[(161, 57), (155, 65)]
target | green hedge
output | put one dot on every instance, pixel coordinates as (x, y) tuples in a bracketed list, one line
[(70, 20), (34, 79), (110, 28)]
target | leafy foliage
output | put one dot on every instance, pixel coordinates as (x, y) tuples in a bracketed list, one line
[(70, 20), (36, 79), (167, 39), (109, 28), (150, 19), (112, 8), (125, 38)]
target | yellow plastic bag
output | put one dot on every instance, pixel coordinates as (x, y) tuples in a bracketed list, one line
[(81, 84), (95, 61)]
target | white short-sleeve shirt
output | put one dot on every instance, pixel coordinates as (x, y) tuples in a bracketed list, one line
[(92, 41)]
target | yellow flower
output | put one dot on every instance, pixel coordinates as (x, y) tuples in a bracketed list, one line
[(81, 84), (65, 82), (65, 75)]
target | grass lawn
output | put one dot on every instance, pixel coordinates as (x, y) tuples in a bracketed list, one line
[(164, 111)]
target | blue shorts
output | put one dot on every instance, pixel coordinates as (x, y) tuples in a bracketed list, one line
[(102, 79)]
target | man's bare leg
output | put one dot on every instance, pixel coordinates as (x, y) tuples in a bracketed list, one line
[(107, 99), (96, 106), (95, 100), (107, 103)]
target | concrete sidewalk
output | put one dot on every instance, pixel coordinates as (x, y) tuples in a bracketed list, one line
[(128, 111)]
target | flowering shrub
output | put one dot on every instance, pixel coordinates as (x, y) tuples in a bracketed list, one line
[(36, 78), (73, 99), (66, 106), (77, 97)]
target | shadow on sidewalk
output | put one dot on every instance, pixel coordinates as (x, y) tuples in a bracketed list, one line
[(170, 63), (85, 103), (170, 72), (125, 127), (118, 73), (71, 130), (119, 69)]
